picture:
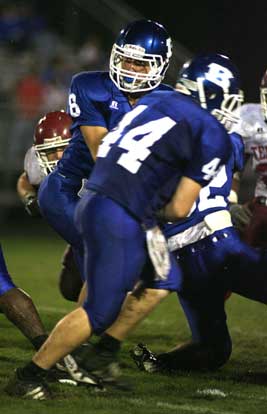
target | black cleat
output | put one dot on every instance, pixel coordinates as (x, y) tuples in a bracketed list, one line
[(62, 376), (81, 375), (144, 358), (98, 362), (31, 389), (92, 366)]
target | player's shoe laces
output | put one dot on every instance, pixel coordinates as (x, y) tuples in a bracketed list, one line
[(31, 389), (144, 358)]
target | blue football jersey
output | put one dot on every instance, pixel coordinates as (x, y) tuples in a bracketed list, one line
[(165, 136), (93, 100), (214, 196)]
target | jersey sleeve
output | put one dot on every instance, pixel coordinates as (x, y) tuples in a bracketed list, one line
[(211, 152), (239, 152), (81, 106)]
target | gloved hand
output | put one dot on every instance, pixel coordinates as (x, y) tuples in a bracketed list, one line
[(158, 252), (31, 206), (241, 215)]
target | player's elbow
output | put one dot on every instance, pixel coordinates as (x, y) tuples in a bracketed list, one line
[(180, 210)]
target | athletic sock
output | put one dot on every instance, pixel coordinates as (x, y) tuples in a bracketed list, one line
[(38, 341), (31, 371), (108, 343)]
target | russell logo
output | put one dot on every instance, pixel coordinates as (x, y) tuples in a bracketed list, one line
[(114, 105)]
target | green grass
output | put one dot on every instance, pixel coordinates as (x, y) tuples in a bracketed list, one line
[(33, 254)]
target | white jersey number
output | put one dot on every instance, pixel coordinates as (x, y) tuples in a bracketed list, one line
[(205, 200), (137, 150), (74, 107)]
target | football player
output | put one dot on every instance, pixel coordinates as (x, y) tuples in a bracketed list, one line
[(97, 101), (51, 137), (162, 141), (206, 246), (210, 265), (251, 217), (14, 302), (206, 237)]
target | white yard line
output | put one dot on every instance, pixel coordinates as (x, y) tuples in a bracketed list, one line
[(177, 407)]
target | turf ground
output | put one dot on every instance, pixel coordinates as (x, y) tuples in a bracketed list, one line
[(33, 255)]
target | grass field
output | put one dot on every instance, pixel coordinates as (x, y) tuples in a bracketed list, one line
[(33, 255)]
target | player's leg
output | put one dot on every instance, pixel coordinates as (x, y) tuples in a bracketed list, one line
[(249, 273), (19, 308), (102, 356), (70, 282), (120, 248), (210, 346), (57, 197), (202, 298), (114, 256)]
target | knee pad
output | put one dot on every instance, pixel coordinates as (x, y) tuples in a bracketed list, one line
[(69, 285), (70, 282)]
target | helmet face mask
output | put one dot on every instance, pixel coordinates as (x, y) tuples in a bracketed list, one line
[(48, 153), (146, 46), (51, 136), (213, 81)]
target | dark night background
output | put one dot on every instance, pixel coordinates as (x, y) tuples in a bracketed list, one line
[(233, 28)]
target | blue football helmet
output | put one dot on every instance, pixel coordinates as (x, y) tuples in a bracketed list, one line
[(214, 82), (263, 95), (147, 43)]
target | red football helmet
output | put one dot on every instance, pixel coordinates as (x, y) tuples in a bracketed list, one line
[(51, 133), (263, 95)]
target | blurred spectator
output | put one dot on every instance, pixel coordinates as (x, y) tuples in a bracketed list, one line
[(91, 55), (55, 96), (28, 106), (57, 77), (19, 24), (37, 65)]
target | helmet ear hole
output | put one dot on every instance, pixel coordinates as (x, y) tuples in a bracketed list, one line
[(51, 133), (140, 56)]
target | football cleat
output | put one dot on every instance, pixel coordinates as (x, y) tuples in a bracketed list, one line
[(144, 358), (31, 389), (96, 367), (62, 376), (81, 375)]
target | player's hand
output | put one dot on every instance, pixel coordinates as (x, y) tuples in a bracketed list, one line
[(241, 215), (31, 206), (158, 252)]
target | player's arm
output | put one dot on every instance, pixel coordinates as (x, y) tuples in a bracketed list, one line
[(93, 136), (24, 188), (240, 213), (179, 207), (28, 195), (182, 201), (84, 111)]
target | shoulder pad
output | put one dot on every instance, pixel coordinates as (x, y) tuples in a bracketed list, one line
[(96, 85)]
